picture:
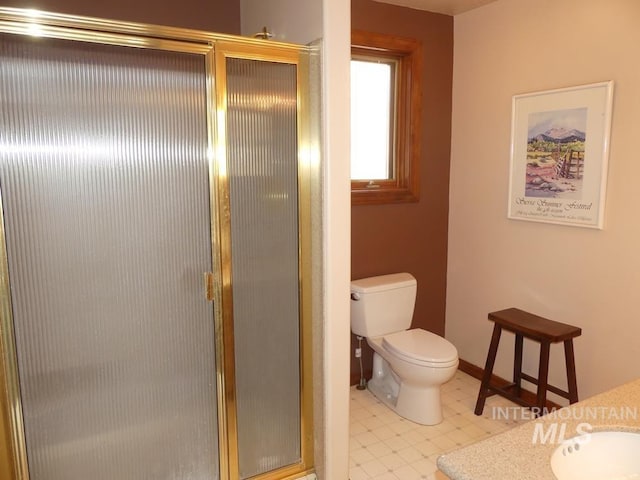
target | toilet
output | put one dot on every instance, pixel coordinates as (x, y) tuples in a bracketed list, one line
[(409, 365)]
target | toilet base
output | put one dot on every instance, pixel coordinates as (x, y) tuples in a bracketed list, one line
[(420, 404)]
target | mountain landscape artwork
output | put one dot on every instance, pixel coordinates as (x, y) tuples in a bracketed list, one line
[(559, 155), (556, 153)]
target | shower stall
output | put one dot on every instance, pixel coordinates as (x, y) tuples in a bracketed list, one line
[(154, 253)]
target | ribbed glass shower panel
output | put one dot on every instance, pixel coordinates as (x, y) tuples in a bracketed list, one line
[(104, 183), (263, 183)]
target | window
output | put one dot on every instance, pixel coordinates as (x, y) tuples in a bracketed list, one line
[(385, 118)]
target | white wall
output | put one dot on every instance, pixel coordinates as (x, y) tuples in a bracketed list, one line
[(293, 21), (336, 52), (589, 278)]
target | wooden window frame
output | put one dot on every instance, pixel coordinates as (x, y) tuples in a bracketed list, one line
[(405, 184)]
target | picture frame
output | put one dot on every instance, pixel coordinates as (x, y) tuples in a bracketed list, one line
[(559, 155)]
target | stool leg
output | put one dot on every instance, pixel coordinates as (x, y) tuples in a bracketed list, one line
[(517, 364), (488, 369), (570, 361), (543, 373)]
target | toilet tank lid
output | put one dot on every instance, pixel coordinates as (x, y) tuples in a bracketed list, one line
[(382, 282)]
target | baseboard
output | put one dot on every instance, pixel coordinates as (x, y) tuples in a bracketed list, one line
[(477, 372)]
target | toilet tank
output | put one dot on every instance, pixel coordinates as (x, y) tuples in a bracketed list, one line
[(382, 305)]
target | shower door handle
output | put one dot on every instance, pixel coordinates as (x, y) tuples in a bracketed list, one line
[(208, 286)]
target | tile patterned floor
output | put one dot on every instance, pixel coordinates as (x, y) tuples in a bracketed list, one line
[(385, 446)]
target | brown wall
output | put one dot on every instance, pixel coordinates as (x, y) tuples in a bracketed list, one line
[(220, 16), (412, 237)]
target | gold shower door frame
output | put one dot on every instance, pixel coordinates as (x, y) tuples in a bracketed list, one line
[(215, 49)]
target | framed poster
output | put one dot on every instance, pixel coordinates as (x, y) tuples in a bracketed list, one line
[(559, 155)]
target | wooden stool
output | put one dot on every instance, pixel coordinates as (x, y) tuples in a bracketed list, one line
[(536, 328)]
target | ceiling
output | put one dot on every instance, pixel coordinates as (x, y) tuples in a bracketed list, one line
[(448, 7)]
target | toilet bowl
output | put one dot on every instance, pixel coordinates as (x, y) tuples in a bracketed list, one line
[(409, 365), (407, 376)]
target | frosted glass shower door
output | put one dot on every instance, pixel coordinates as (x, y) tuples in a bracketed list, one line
[(105, 194), (262, 155)]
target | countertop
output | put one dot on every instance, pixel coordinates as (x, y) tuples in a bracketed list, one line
[(524, 452)]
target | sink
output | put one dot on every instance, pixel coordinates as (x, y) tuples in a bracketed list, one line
[(605, 455)]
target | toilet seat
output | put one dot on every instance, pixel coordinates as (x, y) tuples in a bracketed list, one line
[(420, 347)]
